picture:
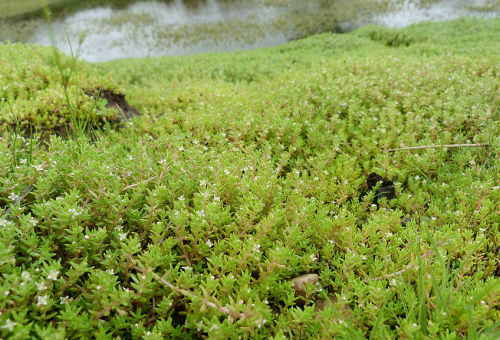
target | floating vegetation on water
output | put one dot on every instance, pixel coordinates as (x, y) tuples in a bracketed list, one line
[(119, 29)]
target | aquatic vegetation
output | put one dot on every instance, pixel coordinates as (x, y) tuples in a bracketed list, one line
[(119, 29), (45, 92), (257, 196), (10, 8)]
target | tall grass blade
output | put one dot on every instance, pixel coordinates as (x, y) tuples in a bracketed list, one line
[(422, 312)]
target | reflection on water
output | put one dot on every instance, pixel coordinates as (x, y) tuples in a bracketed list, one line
[(154, 28), (408, 12)]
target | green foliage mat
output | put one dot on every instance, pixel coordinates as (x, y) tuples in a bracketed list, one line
[(246, 170), (16, 7)]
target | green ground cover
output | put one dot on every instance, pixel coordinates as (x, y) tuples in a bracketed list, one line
[(245, 171), (10, 8)]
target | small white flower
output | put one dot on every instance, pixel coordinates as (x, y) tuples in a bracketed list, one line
[(23, 161), (203, 183), (38, 167), (181, 198), (313, 257), (187, 268), (209, 243), (26, 275), (216, 198), (3, 222), (256, 248), (260, 322), (53, 275), (181, 148), (122, 236), (13, 196), (42, 300), (33, 222), (9, 325), (41, 286), (64, 299), (111, 271), (74, 212), (227, 172)]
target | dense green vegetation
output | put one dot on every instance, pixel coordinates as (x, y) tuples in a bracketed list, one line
[(10, 8), (245, 171)]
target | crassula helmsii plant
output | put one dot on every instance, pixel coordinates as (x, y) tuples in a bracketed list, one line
[(248, 170), (43, 91)]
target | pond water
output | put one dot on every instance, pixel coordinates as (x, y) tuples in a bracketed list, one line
[(180, 27)]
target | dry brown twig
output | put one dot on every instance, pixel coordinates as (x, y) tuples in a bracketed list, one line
[(192, 296), (136, 184), (483, 145)]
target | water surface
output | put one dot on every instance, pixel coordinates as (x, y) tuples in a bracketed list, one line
[(180, 27)]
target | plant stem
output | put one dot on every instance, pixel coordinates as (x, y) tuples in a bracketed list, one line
[(192, 296), (439, 146)]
